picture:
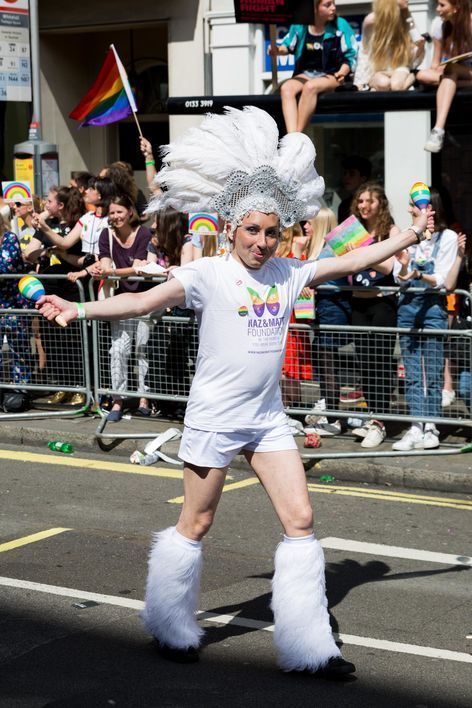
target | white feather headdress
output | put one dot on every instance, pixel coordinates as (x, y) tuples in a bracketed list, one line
[(234, 164)]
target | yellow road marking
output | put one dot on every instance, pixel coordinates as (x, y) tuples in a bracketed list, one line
[(102, 465), (226, 488), (401, 497), (32, 538)]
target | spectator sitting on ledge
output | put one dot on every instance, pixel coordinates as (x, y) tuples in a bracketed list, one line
[(391, 48), (325, 54)]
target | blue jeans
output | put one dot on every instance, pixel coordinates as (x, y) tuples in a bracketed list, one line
[(423, 354), (465, 388)]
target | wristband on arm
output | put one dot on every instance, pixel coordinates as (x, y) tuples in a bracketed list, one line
[(81, 314)]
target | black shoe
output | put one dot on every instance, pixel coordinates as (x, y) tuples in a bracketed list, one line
[(180, 656), (143, 412), (337, 669)]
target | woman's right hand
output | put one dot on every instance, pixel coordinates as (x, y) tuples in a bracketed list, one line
[(461, 244), (276, 50), (403, 257), (146, 147)]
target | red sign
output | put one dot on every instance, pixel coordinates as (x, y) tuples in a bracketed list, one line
[(270, 12)]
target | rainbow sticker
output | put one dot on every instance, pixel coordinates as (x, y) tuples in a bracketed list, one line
[(348, 232), (420, 195), (17, 191), (202, 223), (243, 311)]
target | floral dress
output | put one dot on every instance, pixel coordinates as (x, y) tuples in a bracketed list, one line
[(15, 328)]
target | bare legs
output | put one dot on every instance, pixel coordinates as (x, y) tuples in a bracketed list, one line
[(302, 634), (398, 80), (297, 117), (454, 75)]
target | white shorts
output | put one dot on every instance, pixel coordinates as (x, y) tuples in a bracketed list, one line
[(204, 448)]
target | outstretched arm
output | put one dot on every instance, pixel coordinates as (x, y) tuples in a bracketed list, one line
[(119, 307), (361, 258)]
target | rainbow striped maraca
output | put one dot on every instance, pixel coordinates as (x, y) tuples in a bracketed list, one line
[(420, 195), (32, 289)]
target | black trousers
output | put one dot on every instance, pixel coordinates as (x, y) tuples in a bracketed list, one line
[(374, 350)]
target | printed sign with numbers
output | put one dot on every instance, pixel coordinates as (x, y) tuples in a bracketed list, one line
[(15, 62)]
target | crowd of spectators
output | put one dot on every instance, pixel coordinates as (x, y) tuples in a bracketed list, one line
[(390, 57), (95, 230)]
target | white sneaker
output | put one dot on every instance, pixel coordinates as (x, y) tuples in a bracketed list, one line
[(375, 435), (412, 439), (324, 428), (362, 430), (429, 442), (435, 140), (448, 398), (316, 413)]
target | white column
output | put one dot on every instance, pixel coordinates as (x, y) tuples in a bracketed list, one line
[(406, 160)]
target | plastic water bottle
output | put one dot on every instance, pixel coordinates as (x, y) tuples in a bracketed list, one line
[(58, 446)]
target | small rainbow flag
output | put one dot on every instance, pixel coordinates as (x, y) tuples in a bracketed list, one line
[(110, 98), (348, 232), (304, 308)]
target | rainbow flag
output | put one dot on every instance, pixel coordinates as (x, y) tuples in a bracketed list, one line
[(110, 98), (350, 231)]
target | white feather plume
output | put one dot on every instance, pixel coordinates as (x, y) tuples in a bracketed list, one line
[(197, 165)]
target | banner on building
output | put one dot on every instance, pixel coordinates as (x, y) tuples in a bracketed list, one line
[(271, 12), (15, 62)]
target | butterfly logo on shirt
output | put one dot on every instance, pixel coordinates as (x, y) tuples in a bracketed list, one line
[(272, 301)]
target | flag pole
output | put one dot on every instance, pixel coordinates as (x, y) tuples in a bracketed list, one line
[(127, 87), (137, 125)]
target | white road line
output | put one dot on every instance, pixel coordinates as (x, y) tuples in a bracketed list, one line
[(379, 549), (382, 644)]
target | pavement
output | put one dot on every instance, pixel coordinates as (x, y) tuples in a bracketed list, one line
[(445, 469)]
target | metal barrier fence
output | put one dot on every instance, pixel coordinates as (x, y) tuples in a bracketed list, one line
[(37, 358), (357, 370)]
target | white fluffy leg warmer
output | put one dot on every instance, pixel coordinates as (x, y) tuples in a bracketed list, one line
[(303, 634), (172, 590)]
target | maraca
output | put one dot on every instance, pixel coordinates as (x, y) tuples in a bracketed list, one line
[(32, 289), (421, 197)]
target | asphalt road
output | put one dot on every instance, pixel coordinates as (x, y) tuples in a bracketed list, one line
[(74, 538)]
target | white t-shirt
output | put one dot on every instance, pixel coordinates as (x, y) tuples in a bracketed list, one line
[(243, 317), (437, 28), (92, 227), (423, 251)]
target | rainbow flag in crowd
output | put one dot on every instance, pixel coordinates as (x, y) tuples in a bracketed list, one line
[(350, 231), (110, 98)]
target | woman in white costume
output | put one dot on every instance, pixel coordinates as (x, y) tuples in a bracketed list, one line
[(234, 164)]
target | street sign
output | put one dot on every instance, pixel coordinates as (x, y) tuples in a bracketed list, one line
[(270, 12), (15, 63)]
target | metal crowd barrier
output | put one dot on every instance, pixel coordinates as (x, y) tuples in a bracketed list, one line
[(171, 352), (77, 360), (37, 357)]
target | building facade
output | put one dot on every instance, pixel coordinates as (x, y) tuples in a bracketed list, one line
[(194, 48)]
